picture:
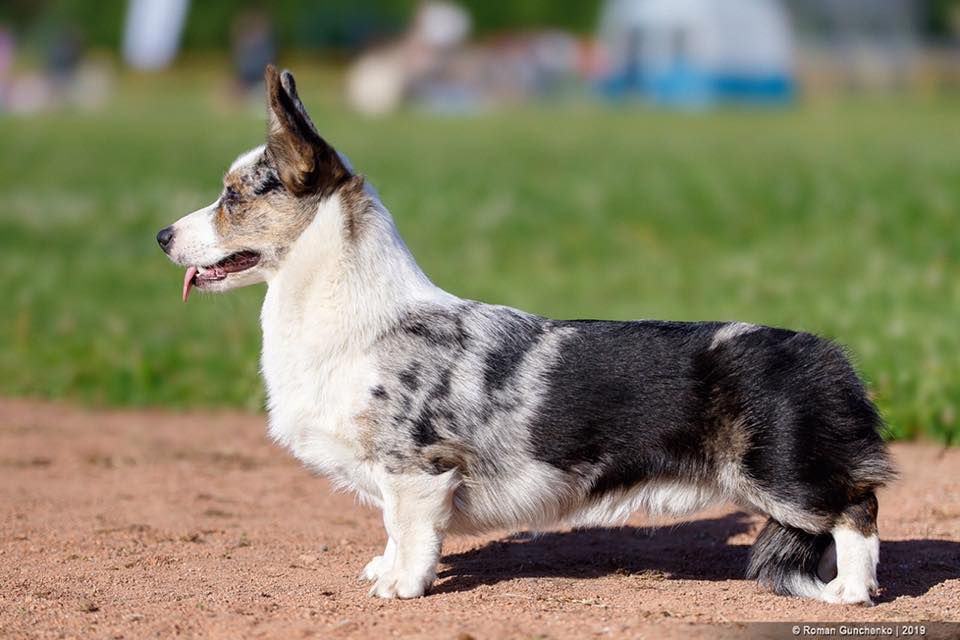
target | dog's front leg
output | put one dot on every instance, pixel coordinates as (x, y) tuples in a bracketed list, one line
[(416, 512), (379, 565)]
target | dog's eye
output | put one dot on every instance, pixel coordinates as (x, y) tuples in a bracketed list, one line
[(230, 196)]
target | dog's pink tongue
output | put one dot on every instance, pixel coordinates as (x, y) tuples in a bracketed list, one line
[(188, 282)]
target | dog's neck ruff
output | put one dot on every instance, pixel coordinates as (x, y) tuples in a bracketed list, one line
[(325, 307), (358, 284)]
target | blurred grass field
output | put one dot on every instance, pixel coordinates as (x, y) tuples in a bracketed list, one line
[(840, 220)]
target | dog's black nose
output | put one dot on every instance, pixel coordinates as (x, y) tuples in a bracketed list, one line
[(165, 237)]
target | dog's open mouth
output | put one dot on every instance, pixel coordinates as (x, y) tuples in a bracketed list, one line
[(234, 263)]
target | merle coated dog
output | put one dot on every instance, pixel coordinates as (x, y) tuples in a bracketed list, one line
[(455, 416)]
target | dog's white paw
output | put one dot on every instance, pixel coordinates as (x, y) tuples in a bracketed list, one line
[(396, 584), (374, 569), (846, 591)]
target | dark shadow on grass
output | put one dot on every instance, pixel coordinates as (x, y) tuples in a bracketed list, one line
[(695, 550)]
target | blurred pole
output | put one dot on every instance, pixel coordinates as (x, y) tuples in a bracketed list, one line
[(152, 32)]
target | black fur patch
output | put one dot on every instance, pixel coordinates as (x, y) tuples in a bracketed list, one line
[(637, 401), (424, 432), (410, 377), (783, 558), (268, 183), (438, 329), (624, 397), (814, 435), (520, 334), (441, 391)]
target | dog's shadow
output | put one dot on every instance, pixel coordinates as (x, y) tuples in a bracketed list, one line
[(695, 550)]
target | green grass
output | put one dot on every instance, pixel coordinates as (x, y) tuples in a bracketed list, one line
[(841, 221)]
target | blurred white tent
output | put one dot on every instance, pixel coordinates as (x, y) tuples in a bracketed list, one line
[(151, 35), (694, 52)]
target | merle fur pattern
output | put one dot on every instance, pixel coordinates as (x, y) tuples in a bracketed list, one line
[(764, 416)]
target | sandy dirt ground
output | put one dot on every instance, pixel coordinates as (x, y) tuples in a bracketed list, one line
[(150, 524)]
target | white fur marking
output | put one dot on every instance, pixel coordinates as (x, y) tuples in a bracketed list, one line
[(319, 318), (248, 158), (731, 330), (416, 513), (857, 558), (381, 564), (745, 492), (655, 498), (195, 239)]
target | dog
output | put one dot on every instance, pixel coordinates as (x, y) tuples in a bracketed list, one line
[(458, 417)]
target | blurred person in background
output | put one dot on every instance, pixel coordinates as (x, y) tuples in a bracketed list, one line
[(253, 48), (379, 80), (437, 67), (6, 66), (64, 53)]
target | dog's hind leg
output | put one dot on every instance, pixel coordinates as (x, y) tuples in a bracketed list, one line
[(856, 547), (416, 512), (838, 565)]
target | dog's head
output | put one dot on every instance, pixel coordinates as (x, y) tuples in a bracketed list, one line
[(270, 195)]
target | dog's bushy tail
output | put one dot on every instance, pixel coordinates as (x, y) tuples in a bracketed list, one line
[(785, 559)]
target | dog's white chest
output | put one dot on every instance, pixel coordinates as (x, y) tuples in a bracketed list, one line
[(315, 390)]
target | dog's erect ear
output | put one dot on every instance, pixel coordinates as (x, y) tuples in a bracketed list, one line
[(306, 163)]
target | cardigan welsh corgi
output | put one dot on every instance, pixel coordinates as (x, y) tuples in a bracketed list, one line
[(458, 417)]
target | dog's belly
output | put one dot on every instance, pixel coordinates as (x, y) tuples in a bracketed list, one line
[(655, 499), (540, 496)]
